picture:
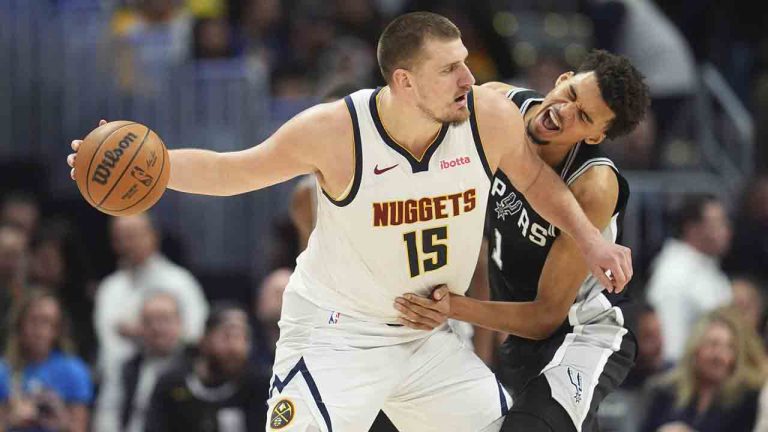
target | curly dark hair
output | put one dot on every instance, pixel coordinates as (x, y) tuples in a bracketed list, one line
[(622, 87)]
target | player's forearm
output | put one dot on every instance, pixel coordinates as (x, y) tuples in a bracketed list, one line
[(552, 199), (531, 320), (201, 172)]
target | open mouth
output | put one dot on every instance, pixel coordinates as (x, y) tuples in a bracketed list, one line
[(461, 98), (550, 120)]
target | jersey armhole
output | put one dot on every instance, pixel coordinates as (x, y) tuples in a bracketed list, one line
[(351, 190), (476, 134)]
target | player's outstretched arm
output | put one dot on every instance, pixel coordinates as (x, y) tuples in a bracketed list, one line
[(503, 135), (308, 143), (300, 146)]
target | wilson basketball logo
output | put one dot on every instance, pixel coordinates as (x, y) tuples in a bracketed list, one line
[(111, 158), (452, 163)]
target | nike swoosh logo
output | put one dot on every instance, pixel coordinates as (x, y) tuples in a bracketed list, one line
[(378, 171)]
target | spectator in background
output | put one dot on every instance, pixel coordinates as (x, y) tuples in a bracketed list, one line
[(142, 269), (748, 300), (123, 404), (269, 303), (639, 30), (542, 75), (650, 349), (622, 410), (213, 39), (636, 149), (22, 210), (59, 263), (13, 272), (220, 390), (42, 386), (686, 281), (265, 34), (750, 243), (715, 386), (150, 39)]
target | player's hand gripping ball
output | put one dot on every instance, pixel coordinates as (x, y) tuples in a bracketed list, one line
[(121, 167)]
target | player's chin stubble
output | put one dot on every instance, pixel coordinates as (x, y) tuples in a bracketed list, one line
[(532, 135)]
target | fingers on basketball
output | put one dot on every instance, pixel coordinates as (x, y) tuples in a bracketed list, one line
[(121, 168)]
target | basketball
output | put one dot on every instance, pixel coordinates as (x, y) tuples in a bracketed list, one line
[(122, 168)]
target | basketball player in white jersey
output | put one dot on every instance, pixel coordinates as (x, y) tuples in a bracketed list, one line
[(569, 344), (404, 173)]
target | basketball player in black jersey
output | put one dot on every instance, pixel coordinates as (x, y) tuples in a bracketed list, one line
[(568, 343)]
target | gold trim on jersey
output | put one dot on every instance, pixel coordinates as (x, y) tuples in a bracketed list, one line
[(351, 184), (426, 149), (346, 191)]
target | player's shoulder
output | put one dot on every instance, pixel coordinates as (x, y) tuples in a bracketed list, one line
[(495, 116), (330, 116), (492, 105), (598, 186)]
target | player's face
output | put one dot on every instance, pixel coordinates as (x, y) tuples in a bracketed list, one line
[(441, 81), (573, 111)]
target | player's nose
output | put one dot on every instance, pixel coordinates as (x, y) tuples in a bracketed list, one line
[(467, 79)]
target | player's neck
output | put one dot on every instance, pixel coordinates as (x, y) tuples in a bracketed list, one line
[(554, 154), (406, 124)]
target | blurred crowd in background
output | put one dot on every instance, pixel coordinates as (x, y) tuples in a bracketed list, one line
[(168, 321)]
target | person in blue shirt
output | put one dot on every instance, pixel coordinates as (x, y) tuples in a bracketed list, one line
[(42, 387)]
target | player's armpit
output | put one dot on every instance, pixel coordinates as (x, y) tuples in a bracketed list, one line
[(310, 142)]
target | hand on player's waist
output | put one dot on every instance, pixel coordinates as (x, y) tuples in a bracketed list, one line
[(424, 313)]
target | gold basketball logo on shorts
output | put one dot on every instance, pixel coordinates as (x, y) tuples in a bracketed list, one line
[(282, 414)]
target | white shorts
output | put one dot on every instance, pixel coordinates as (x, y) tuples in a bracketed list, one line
[(333, 373)]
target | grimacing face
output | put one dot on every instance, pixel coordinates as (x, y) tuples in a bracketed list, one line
[(572, 112), (440, 80)]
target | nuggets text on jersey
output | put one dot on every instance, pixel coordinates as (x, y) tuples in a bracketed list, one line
[(410, 211)]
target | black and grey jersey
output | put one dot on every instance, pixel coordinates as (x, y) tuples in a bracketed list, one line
[(520, 239)]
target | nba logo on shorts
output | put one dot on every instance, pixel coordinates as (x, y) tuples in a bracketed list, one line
[(334, 319)]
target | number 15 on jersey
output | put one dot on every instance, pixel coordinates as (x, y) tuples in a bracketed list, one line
[(433, 253)]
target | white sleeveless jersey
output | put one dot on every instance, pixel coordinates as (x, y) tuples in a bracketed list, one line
[(404, 225)]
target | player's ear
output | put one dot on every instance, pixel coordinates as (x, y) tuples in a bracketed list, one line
[(595, 139), (563, 77), (401, 79)]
